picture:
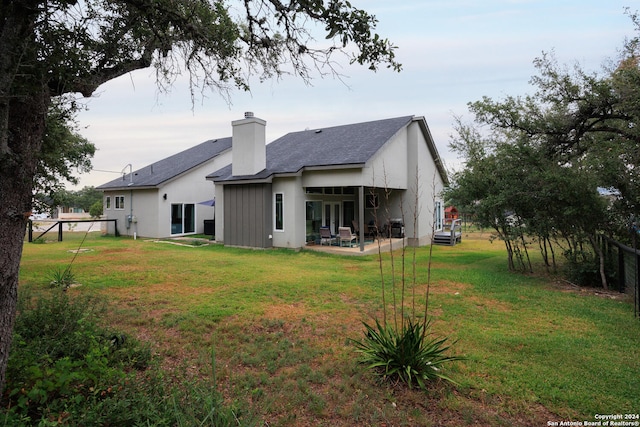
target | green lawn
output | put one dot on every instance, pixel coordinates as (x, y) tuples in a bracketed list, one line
[(279, 323)]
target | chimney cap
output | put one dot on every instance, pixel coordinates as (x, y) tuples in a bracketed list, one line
[(248, 114)]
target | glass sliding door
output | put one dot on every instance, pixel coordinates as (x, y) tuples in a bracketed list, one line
[(176, 219), (183, 218), (189, 218)]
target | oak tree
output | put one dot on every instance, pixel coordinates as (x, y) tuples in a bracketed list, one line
[(539, 167), (49, 48)]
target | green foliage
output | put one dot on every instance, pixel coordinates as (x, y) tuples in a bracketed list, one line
[(39, 241), (577, 126), (217, 46), (582, 268), (65, 369), (96, 209), (61, 358), (510, 186), (64, 153), (61, 278), (535, 164), (407, 355), (84, 198)]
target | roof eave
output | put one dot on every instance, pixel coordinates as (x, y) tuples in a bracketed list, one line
[(237, 181), (432, 148), (334, 167), (130, 187)]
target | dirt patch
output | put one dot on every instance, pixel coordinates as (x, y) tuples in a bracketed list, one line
[(568, 287), (289, 312), (446, 287)]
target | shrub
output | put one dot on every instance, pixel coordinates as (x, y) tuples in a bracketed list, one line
[(66, 369), (39, 241), (582, 268), (96, 209), (407, 354), (61, 358), (61, 278)]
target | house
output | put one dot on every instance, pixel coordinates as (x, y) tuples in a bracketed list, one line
[(70, 212), (384, 175), (167, 198)]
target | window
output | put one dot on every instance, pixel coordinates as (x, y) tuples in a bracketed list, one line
[(107, 202), (119, 202), (183, 218), (330, 190), (348, 212), (438, 216), (314, 217), (372, 201), (279, 212)]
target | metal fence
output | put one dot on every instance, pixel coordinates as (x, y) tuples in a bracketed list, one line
[(625, 262), (59, 224)]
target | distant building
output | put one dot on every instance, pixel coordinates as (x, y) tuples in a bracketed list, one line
[(450, 213)]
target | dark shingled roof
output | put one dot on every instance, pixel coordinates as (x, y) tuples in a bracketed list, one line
[(162, 171), (346, 145)]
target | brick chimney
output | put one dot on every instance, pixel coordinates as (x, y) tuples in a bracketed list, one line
[(249, 152)]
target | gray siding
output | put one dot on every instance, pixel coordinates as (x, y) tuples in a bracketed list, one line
[(248, 215)]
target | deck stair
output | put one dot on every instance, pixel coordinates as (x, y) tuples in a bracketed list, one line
[(450, 235)]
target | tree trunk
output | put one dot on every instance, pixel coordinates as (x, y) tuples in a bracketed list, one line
[(17, 169), (601, 264), (24, 100)]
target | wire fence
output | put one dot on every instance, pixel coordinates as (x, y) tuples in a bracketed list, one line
[(625, 262)]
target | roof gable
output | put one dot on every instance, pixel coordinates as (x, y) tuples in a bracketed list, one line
[(170, 167), (337, 146)]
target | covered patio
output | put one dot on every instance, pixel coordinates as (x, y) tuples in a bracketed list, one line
[(370, 247), (357, 207)]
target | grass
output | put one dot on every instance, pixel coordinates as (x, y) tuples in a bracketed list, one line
[(280, 322)]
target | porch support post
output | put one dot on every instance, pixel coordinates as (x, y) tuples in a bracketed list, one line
[(361, 216)]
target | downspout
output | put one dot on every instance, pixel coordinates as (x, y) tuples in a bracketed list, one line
[(131, 214), (129, 221), (361, 217)]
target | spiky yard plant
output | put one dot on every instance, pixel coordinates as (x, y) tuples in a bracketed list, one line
[(405, 351), (61, 278), (408, 355)]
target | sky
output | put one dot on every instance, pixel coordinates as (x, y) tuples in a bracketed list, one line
[(453, 52)]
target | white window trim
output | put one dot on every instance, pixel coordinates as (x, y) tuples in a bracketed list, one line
[(107, 203), (115, 203)]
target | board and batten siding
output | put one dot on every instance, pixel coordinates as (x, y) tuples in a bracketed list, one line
[(248, 215)]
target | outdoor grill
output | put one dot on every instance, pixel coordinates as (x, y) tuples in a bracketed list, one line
[(397, 227)]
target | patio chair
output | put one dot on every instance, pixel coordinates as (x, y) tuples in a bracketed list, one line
[(326, 237), (345, 235), (369, 229)]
